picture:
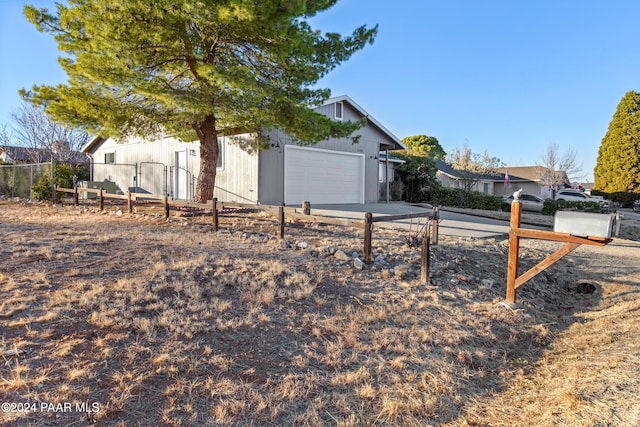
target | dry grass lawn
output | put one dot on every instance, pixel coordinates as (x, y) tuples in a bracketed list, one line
[(147, 322)]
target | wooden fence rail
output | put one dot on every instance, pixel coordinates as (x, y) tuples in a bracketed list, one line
[(281, 213)]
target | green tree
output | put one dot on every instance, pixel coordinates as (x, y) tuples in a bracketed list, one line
[(418, 174), (618, 164), (194, 69), (63, 178), (424, 145)]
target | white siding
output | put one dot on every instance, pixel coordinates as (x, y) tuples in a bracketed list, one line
[(145, 167), (237, 180)]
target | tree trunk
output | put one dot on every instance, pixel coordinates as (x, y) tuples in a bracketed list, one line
[(209, 151)]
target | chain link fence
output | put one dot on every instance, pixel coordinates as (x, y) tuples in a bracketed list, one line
[(17, 180)]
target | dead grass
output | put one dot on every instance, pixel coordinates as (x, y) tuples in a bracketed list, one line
[(163, 324)]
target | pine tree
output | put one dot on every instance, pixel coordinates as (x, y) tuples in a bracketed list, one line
[(424, 145), (618, 164), (194, 69)]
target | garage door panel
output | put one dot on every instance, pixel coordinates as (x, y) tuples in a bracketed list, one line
[(322, 176)]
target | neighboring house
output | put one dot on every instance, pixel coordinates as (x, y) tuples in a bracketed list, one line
[(12, 154), (451, 178), (506, 181), (332, 171), (529, 179)]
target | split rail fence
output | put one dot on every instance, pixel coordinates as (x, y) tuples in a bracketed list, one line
[(281, 213)]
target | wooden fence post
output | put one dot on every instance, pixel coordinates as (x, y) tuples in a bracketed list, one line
[(434, 225), (281, 220), (129, 203), (514, 249), (166, 207), (306, 207), (75, 196), (101, 199), (214, 202), (424, 264), (368, 228)]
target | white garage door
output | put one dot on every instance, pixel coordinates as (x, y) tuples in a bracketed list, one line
[(322, 176)]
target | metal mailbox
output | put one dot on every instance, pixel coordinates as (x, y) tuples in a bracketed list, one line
[(585, 224)]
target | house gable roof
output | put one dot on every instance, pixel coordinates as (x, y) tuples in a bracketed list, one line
[(447, 169), (93, 144), (397, 143)]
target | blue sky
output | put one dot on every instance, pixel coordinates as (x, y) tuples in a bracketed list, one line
[(506, 76)]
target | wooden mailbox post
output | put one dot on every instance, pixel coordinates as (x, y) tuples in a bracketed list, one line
[(515, 233)]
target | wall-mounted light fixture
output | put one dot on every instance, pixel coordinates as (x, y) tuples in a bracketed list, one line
[(276, 146)]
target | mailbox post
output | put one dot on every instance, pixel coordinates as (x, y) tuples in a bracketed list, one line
[(572, 228)]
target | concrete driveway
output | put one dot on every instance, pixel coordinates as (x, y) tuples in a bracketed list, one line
[(452, 224)]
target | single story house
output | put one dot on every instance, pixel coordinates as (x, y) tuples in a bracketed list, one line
[(506, 180), (529, 179), (335, 170), (451, 178)]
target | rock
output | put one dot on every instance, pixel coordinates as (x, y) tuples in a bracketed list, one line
[(118, 212), (284, 244), (342, 256), (303, 245), (381, 261), (358, 263)]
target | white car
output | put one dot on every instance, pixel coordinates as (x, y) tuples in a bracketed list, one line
[(579, 196)]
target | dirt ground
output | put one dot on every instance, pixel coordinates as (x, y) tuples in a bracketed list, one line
[(122, 320)]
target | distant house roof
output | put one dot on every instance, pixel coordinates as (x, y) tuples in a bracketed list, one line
[(447, 169), (13, 154)]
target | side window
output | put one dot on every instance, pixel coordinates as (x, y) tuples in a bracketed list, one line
[(109, 158), (338, 110), (221, 148)]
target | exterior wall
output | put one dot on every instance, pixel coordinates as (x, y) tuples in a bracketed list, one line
[(144, 167), (237, 179), (446, 180), (271, 168), (479, 186)]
